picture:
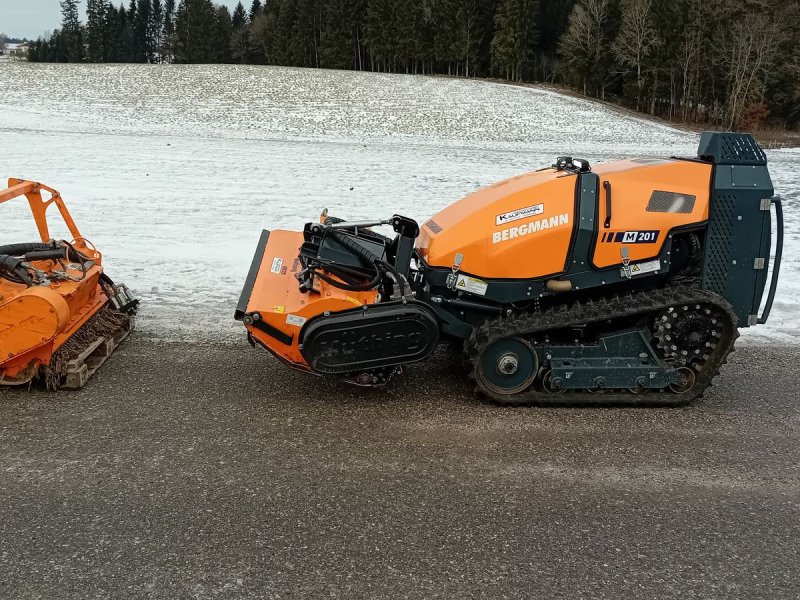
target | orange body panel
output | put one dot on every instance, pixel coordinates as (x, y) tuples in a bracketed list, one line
[(522, 228), (632, 184), (495, 238), (282, 306), (35, 322)]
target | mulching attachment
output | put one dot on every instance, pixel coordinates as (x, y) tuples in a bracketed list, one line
[(76, 361)]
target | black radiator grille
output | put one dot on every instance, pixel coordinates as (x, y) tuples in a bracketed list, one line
[(718, 247), (671, 202)]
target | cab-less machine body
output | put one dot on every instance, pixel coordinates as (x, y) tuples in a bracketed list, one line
[(622, 283)]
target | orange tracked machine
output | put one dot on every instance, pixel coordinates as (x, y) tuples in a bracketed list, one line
[(625, 283), (61, 316)]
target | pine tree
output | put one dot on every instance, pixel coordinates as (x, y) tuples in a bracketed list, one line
[(255, 9), (168, 35), (239, 18), (355, 19), (283, 39), (514, 40), (486, 12), (551, 23), (335, 44), (305, 49), (169, 18), (96, 27), (71, 31), (116, 34), (221, 42), (133, 52), (156, 30), (379, 34), (239, 36), (143, 33), (664, 91), (468, 35), (110, 39), (195, 28)]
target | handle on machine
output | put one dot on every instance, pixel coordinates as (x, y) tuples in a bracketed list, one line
[(776, 266), (607, 187)]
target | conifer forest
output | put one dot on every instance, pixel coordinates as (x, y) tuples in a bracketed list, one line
[(731, 63)]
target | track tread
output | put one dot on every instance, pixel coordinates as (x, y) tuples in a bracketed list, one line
[(581, 313)]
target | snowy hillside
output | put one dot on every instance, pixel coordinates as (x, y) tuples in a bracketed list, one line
[(173, 171)]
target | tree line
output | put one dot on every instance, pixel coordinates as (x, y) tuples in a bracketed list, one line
[(732, 63)]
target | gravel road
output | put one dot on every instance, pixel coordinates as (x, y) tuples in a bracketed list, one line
[(210, 471)]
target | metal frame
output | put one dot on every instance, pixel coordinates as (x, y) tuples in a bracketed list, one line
[(32, 190), (776, 265)]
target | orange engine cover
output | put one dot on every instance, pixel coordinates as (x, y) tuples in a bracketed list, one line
[(523, 228), (516, 229), (634, 183)]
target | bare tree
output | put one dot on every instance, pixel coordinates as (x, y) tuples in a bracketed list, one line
[(749, 48), (260, 36), (240, 44), (636, 39), (688, 58), (3, 42), (582, 44)]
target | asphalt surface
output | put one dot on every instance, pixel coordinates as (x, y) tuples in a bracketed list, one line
[(210, 471)]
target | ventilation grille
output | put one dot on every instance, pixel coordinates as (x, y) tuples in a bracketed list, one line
[(718, 248), (740, 148), (671, 202), (731, 149), (433, 226)]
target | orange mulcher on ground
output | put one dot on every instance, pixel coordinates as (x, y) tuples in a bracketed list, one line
[(61, 316), (620, 284)]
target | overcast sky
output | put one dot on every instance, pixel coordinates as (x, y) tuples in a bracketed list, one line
[(31, 18)]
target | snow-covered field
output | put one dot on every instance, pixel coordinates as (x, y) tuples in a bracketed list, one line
[(174, 170)]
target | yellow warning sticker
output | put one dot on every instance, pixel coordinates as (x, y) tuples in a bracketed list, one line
[(473, 285), (280, 309), (353, 300), (651, 266)]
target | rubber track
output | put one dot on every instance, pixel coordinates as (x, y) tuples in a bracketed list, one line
[(629, 305), (104, 322)]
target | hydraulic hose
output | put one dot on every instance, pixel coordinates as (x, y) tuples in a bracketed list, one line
[(352, 287), (13, 257), (23, 249), (11, 268), (39, 251), (354, 246), (380, 265)]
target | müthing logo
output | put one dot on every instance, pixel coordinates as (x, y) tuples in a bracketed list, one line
[(372, 346)]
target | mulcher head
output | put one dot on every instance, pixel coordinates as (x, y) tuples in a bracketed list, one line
[(61, 316)]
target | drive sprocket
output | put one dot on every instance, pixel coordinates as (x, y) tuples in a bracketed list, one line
[(686, 334)]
